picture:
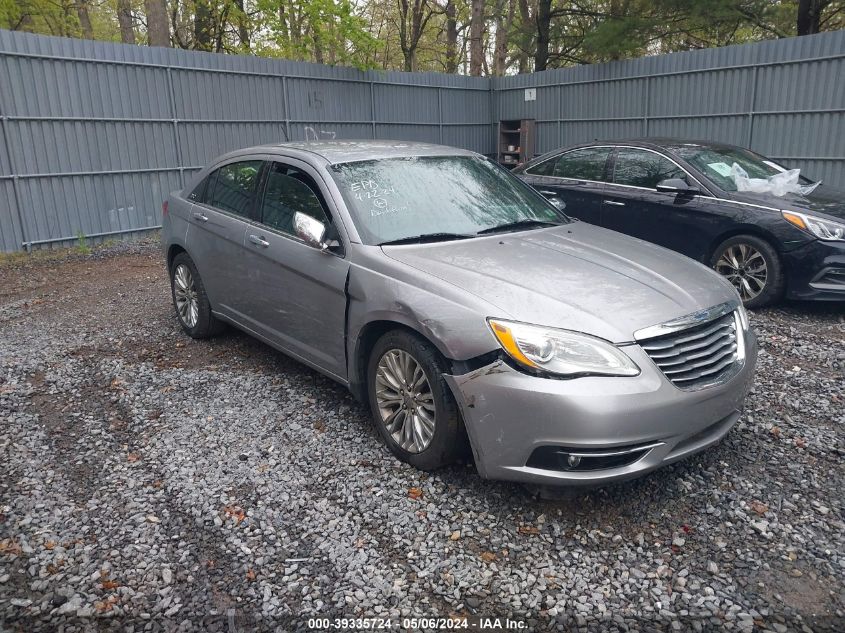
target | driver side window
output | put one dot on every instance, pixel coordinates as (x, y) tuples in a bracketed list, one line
[(640, 168), (289, 190)]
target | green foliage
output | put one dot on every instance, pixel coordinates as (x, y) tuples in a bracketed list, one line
[(367, 33), (327, 31), (82, 244)]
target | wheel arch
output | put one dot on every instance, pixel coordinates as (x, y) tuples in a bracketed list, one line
[(172, 251), (364, 343), (743, 229)]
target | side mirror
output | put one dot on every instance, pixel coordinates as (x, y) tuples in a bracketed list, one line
[(310, 230), (552, 196), (557, 203), (676, 185)]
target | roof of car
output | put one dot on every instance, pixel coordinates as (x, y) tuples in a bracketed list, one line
[(652, 142), (662, 142), (348, 151)]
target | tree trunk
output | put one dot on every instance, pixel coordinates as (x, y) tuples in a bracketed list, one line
[(158, 28), (527, 34), (318, 48), (243, 26), (451, 37), (203, 25), (544, 17), (503, 29), (124, 18), (84, 19), (809, 16), (476, 40)]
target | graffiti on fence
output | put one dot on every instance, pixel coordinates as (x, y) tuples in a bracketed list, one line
[(312, 134)]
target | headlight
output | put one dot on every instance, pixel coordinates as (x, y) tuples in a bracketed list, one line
[(561, 352), (823, 229)]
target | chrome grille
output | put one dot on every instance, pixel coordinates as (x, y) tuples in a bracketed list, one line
[(696, 356)]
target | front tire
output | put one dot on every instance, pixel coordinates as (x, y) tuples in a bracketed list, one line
[(413, 408), (754, 268), (190, 300)]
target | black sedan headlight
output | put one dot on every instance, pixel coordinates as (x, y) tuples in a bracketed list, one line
[(823, 229)]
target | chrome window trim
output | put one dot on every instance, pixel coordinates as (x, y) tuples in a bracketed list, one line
[(569, 151), (711, 196), (745, 204), (615, 184), (686, 321)]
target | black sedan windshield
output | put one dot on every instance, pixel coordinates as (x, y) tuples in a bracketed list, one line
[(716, 163), (403, 199)]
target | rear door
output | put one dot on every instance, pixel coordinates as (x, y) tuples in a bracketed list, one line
[(634, 206), (296, 293), (577, 177), (223, 206)]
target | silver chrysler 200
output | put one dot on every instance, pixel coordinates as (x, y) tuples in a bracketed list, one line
[(463, 307)]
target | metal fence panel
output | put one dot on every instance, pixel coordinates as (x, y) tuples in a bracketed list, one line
[(316, 99), (11, 234), (783, 98), (5, 167), (94, 134), (99, 133)]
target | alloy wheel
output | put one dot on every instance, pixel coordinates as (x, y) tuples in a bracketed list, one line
[(185, 293), (745, 267), (405, 400)]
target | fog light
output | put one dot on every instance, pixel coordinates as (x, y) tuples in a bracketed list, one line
[(573, 461)]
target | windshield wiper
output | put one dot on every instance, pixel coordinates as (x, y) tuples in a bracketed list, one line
[(428, 237), (519, 224)]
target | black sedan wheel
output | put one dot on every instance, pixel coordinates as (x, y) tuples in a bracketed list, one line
[(753, 267)]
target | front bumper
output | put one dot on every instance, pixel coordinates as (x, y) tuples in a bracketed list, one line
[(509, 415), (816, 271)]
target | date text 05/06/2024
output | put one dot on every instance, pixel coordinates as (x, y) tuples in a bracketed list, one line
[(428, 623)]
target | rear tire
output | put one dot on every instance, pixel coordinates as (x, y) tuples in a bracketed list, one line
[(190, 300), (416, 414), (754, 268)]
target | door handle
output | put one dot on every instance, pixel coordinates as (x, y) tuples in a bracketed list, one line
[(260, 241), (200, 216), (614, 203)]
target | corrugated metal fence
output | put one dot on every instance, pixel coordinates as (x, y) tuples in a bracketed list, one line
[(783, 98), (94, 134)]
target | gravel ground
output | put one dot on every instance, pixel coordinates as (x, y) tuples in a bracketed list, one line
[(151, 482)]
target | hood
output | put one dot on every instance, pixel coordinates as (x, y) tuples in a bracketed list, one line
[(577, 277), (824, 200)]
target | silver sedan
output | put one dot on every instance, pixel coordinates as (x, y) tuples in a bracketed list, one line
[(464, 308)]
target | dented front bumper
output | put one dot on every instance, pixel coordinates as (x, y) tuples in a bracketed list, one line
[(509, 415)]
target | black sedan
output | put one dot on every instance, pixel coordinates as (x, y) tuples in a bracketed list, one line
[(683, 195)]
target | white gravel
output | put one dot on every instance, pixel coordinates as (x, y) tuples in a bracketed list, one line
[(152, 481)]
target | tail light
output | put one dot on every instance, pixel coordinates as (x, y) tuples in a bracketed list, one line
[(164, 209)]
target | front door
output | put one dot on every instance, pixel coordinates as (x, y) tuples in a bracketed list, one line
[(297, 296), (632, 204)]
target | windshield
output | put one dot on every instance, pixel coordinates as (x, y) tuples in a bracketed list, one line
[(401, 198), (716, 163)]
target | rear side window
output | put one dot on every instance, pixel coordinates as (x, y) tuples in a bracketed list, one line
[(639, 168), (546, 168), (290, 190), (232, 187), (198, 194), (583, 164)]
